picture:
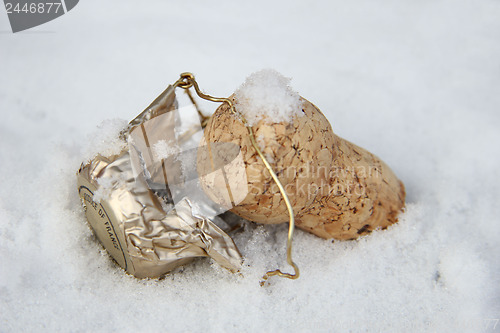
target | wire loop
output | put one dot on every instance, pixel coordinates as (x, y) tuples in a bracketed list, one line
[(187, 81)]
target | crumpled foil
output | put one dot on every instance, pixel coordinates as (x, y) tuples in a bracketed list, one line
[(150, 218)]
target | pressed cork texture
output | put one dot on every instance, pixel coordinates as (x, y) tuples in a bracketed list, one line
[(337, 189)]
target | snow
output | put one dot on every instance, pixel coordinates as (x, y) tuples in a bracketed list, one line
[(267, 95), (162, 149), (107, 185), (105, 139), (415, 82)]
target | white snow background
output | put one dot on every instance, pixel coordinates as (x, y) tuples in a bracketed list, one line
[(415, 82)]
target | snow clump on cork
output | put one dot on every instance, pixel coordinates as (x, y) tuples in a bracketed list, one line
[(267, 94)]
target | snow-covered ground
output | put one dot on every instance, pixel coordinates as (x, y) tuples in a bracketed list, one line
[(415, 82)]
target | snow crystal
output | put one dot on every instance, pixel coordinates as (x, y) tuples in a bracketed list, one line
[(106, 185), (105, 140), (267, 94), (162, 149)]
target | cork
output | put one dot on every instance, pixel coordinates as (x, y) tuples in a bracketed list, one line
[(337, 189)]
